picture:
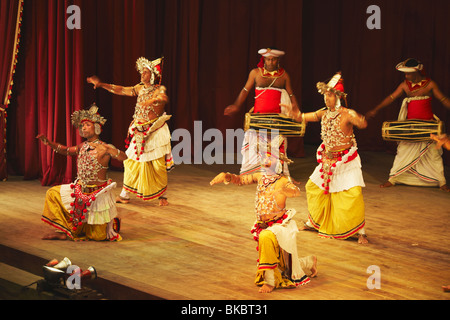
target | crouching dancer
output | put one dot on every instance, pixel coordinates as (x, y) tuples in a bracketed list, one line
[(84, 209), (275, 231)]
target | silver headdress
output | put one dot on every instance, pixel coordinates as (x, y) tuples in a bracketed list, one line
[(87, 115), (334, 85), (154, 66)]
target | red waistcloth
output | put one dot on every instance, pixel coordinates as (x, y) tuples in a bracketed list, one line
[(420, 109), (267, 101)]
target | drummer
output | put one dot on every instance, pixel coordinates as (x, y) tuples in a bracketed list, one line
[(334, 190), (272, 87), (416, 163)]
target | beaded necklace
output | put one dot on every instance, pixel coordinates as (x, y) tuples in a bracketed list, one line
[(88, 165), (88, 169), (332, 134), (263, 204), (141, 111)]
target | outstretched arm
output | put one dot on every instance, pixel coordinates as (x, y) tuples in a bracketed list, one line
[(440, 96), (119, 90), (58, 148), (239, 180), (387, 101), (237, 104), (309, 116)]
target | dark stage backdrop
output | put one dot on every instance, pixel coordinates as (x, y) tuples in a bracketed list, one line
[(209, 49), (10, 25)]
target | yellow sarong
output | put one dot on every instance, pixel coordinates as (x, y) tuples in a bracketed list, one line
[(148, 180), (272, 257), (56, 215), (336, 215)]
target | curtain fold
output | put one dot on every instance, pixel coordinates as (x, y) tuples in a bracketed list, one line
[(10, 27), (51, 89)]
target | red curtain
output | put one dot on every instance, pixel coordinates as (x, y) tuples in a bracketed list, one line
[(10, 26), (51, 88), (209, 49)]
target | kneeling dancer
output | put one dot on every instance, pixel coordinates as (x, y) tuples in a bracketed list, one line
[(275, 230), (86, 208)]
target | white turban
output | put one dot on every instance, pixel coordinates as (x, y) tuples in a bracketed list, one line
[(271, 52)]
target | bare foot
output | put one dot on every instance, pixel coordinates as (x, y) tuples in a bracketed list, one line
[(266, 288), (446, 288), (163, 202), (314, 270), (362, 239), (55, 236), (117, 238), (120, 199), (445, 188), (387, 184), (305, 227)]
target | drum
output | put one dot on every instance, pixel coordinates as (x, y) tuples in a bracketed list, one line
[(411, 130), (274, 121)]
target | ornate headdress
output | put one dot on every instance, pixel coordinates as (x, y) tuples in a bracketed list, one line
[(410, 65), (335, 85), (78, 117), (154, 66)]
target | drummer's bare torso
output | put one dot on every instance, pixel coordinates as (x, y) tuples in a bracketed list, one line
[(265, 81)]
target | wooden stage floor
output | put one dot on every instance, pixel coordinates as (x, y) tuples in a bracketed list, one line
[(200, 247)]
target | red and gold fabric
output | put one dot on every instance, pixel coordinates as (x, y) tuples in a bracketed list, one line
[(81, 215), (267, 100), (420, 109)]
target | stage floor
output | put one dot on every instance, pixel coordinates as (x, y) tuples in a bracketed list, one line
[(200, 247)]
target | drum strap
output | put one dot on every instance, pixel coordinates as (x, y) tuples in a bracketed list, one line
[(270, 86)]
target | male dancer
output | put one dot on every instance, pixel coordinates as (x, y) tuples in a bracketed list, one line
[(334, 190), (149, 151), (85, 209), (274, 229)]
